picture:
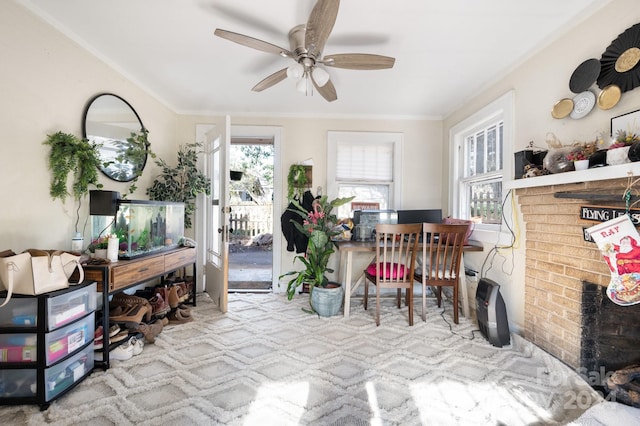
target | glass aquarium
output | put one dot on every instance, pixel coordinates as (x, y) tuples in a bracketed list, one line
[(142, 227)]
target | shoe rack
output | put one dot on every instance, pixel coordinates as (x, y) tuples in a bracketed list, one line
[(118, 276), (46, 344)]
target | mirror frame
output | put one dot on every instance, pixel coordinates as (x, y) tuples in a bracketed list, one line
[(137, 169)]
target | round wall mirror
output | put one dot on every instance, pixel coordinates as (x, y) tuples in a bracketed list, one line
[(112, 123)]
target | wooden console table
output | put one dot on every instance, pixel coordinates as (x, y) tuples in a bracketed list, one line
[(118, 276)]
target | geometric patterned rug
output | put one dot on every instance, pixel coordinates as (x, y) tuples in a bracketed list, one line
[(266, 362)]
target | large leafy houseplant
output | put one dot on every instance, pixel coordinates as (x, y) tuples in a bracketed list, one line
[(181, 183), (319, 225)]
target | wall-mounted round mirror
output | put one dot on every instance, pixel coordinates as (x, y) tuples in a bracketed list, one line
[(111, 122)]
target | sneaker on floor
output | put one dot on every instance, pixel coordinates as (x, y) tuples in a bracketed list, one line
[(122, 352), (137, 345)]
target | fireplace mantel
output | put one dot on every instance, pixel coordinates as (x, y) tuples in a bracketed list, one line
[(598, 173)]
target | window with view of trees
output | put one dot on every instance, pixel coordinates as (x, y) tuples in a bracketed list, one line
[(478, 147), (482, 181)]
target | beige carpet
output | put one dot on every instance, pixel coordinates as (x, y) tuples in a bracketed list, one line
[(266, 362)]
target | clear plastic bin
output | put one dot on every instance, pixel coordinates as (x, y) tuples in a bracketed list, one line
[(70, 306), (18, 383), (61, 376), (69, 339), (19, 312), (18, 347)]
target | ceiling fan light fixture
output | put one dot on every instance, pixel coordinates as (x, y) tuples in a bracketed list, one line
[(295, 71), (301, 85), (320, 76)]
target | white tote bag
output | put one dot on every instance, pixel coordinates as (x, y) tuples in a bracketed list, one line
[(619, 243), (37, 271)]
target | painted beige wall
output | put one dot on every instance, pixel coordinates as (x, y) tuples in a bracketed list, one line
[(46, 81), (539, 83)]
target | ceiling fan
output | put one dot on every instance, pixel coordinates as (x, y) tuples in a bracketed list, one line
[(307, 43)]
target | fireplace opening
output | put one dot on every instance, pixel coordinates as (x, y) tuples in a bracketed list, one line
[(610, 346)]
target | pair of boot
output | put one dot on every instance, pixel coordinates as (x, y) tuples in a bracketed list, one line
[(174, 294), (129, 310), (159, 304), (180, 315), (151, 330)]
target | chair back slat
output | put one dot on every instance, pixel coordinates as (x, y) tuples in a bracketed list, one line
[(396, 251), (442, 249)]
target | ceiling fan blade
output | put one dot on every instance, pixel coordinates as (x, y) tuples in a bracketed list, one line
[(254, 43), (358, 61), (242, 17), (328, 91), (271, 80), (320, 24)]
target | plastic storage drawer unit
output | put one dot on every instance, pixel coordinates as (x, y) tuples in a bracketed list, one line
[(69, 339), (65, 374), (70, 306), (18, 347), (18, 383), (19, 313)]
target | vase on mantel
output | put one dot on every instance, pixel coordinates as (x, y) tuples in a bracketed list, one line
[(581, 164)]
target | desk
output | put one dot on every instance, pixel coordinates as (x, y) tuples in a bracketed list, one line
[(349, 247)]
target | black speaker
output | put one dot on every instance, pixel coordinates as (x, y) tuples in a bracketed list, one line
[(103, 203), (492, 313)]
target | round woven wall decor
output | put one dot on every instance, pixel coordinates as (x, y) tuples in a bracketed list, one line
[(619, 64)]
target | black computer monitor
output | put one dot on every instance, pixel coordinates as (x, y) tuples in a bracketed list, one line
[(420, 216)]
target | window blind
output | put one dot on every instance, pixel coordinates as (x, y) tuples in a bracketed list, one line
[(364, 162)]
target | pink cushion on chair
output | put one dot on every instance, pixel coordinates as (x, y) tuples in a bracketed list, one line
[(391, 269)]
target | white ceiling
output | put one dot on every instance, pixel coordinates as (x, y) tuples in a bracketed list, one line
[(445, 50)]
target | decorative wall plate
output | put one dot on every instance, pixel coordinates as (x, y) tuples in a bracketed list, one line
[(609, 97), (562, 108), (583, 104), (584, 76), (619, 62)]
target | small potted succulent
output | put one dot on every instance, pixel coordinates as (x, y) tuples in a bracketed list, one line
[(99, 247)]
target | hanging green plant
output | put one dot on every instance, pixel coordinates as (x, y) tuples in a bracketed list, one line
[(297, 181), (181, 183), (70, 153)]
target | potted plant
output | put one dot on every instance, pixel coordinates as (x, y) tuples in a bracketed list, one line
[(320, 226), (70, 154), (99, 247), (181, 183), (579, 158), (298, 180)]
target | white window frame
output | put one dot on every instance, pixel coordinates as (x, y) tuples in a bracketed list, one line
[(334, 138), (500, 109)]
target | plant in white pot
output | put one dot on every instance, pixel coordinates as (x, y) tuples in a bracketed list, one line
[(319, 225)]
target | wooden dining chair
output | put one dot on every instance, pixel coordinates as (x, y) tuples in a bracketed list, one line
[(442, 246), (394, 265)]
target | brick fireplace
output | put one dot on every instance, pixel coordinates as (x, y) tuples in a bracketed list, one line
[(558, 261)]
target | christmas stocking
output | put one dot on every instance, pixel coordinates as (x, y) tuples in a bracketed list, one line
[(618, 241)]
